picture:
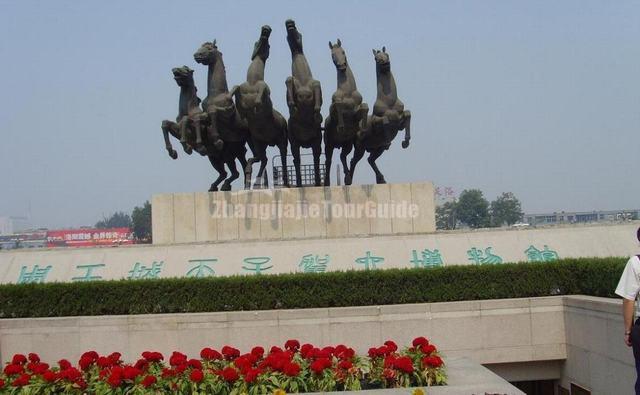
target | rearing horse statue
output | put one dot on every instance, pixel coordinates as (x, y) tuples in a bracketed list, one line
[(389, 117), (304, 99), (225, 124), (267, 126), (190, 120), (347, 114)]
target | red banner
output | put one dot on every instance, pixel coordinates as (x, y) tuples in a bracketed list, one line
[(89, 237)]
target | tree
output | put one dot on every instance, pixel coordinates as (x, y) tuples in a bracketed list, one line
[(473, 209), (446, 216), (141, 218), (118, 220), (506, 209)]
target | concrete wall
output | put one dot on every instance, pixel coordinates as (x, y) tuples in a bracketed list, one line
[(309, 212), (573, 339), (492, 331), (597, 358), (319, 254)]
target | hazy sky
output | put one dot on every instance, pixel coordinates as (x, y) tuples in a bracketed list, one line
[(541, 98)]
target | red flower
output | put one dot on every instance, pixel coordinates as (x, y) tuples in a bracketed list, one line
[(243, 363), (148, 381), (33, 357), (257, 351), (344, 364), (196, 364), (292, 345), (305, 350), (329, 350), (373, 352), (319, 365), (230, 353), (49, 376), (428, 348), (141, 364), (86, 362), (64, 364), (405, 364), (196, 375), (419, 341), (130, 373), (434, 362), (13, 369), (114, 380), (275, 349), (251, 375), (22, 380), (152, 356), (210, 354), (103, 362), (37, 367), (114, 358), (166, 372), (391, 346), (291, 369), (1, 383), (90, 355), (177, 358), (70, 374), (19, 359), (230, 374)]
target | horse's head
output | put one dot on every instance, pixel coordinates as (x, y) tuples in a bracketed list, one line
[(338, 55), (183, 76), (294, 38), (207, 53), (382, 60), (261, 47)]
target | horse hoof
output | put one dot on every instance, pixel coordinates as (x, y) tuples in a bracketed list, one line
[(347, 180), (173, 154), (381, 180), (225, 187), (213, 188)]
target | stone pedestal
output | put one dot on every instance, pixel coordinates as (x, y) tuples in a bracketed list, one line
[(311, 212)]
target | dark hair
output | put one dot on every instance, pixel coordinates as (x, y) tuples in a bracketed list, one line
[(638, 234)]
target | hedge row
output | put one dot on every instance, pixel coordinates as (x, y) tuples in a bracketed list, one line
[(593, 276)]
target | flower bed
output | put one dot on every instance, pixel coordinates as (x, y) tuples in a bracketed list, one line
[(294, 368)]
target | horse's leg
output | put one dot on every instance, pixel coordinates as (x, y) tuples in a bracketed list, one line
[(217, 164), (259, 151), (357, 155), (282, 147), (317, 97), (169, 127), (328, 155), (346, 149), (316, 150), (406, 125), (260, 182), (212, 131), (182, 126), (197, 125), (230, 161), (363, 111), (295, 151), (248, 166), (290, 95), (375, 154)]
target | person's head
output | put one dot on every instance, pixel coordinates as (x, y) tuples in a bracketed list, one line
[(638, 234)]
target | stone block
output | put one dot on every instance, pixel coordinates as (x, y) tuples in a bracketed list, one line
[(423, 197), (206, 217), (162, 214), (184, 217)]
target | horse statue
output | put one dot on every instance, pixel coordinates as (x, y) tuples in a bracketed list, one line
[(189, 123), (267, 127), (347, 114), (304, 99), (225, 124), (389, 117)]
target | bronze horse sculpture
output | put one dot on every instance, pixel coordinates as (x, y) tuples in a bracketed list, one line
[(189, 123), (304, 99), (225, 124), (389, 117), (267, 127), (347, 114)]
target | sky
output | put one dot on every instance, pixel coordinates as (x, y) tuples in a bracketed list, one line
[(538, 98)]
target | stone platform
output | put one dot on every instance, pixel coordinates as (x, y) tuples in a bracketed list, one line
[(289, 213)]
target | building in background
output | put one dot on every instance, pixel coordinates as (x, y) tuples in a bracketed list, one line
[(581, 217), (12, 225)]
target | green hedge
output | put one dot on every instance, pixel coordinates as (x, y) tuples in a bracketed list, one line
[(593, 276)]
